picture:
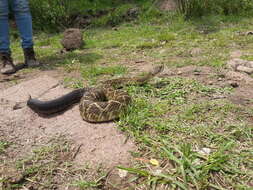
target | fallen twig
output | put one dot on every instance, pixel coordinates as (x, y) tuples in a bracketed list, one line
[(77, 151)]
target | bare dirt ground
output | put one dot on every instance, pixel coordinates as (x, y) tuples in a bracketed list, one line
[(100, 143), (93, 145)]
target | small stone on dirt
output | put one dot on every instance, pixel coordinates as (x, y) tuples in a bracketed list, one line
[(234, 63), (245, 69), (249, 64), (72, 39), (241, 65)]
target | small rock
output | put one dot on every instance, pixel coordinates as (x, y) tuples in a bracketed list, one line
[(234, 63), (241, 65), (72, 39), (245, 69), (249, 64)]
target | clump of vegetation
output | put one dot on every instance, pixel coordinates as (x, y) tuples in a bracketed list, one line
[(56, 15), (117, 15), (202, 7), (3, 146), (49, 166)]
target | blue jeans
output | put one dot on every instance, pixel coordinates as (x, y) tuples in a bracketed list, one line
[(23, 19)]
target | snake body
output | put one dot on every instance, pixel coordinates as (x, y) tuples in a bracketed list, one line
[(56, 105), (100, 104)]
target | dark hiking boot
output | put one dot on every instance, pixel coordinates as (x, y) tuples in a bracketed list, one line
[(30, 59), (7, 63)]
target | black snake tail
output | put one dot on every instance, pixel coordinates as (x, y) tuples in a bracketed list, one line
[(56, 105)]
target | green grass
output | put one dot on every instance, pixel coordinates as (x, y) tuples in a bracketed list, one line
[(3, 145), (50, 165), (171, 119), (83, 184), (91, 72), (170, 42), (178, 124), (35, 170)]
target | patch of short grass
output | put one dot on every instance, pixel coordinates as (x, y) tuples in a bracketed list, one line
[(169, 41), (73, 82), (248, 57), (3, 146), (84, 184), (51, 166), (92, 73), (106, 70), (41, 167), (173, 121)]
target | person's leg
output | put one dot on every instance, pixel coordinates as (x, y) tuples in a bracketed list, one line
[(4, 27), (5, 52), (24, 23)]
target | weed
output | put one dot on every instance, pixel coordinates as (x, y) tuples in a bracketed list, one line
[(3, 146)]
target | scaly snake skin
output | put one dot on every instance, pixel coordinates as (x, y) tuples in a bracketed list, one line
[(100, 104)]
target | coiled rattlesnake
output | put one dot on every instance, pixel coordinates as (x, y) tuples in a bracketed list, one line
[(100, 104)]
